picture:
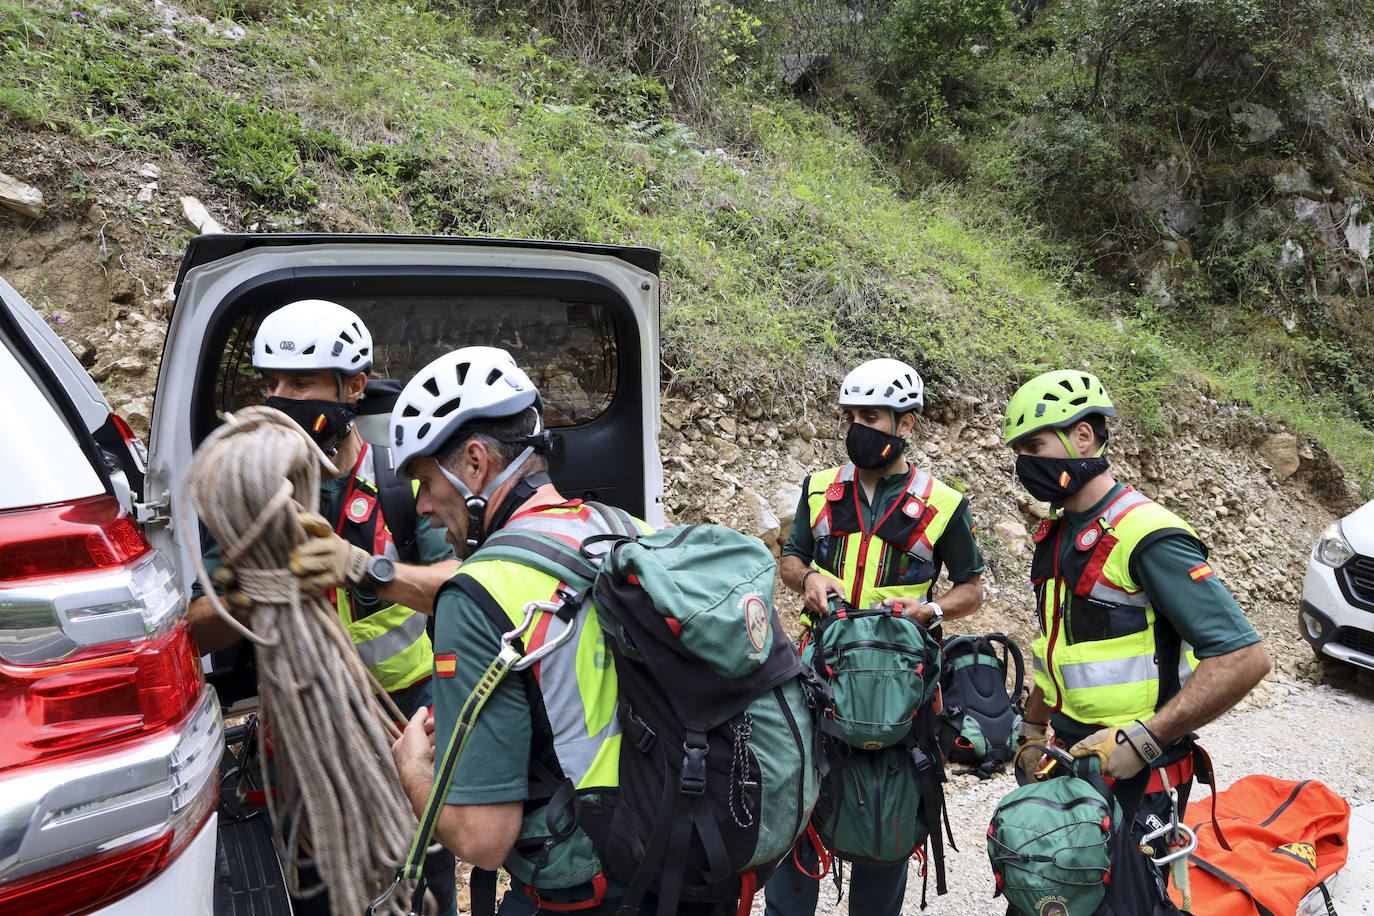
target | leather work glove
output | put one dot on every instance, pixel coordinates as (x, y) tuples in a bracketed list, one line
[(1029, 759), (1122, 752), (227, 581), (325, 560)]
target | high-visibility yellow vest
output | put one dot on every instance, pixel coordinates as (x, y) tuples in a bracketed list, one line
[(896, 558), (392, 640), (1098, 656), (577, 684)]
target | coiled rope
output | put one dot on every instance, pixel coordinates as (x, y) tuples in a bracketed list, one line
[(339, 803)]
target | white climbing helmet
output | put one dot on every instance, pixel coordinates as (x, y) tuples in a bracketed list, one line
[(887, 383), (474, 383), (313, 334)]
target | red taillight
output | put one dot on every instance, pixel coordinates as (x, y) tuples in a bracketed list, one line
[(53, 710), (109, 739), (80, 536), (82, 886)]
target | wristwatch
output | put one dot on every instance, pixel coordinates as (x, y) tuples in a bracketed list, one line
[(935, 618), (379, 573)]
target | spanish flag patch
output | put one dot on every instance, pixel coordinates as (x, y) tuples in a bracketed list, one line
[(1065, 479), (444, 665), (1200, 572)]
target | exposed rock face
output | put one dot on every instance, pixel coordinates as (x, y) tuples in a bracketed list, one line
[(1164, 190)]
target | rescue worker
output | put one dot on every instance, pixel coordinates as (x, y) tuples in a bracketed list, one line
[(314, 357), (542, 737), (1139, 642), (877, 530)]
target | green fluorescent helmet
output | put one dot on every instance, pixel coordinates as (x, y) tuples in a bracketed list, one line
[(1055, 399)]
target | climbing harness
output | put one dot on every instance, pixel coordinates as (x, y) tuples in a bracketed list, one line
[(337, 803)]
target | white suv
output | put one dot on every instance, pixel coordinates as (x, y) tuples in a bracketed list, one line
[(1336, 613), (108, 769)]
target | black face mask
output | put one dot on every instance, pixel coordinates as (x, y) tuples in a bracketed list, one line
[(327, 422), (1056, 479), (871, 448)]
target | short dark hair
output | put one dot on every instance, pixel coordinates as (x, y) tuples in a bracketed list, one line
[(505, 437)]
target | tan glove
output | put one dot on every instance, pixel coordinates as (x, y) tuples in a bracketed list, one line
[(325, 560), (1029, 758), (1122, 752), (227, 581)]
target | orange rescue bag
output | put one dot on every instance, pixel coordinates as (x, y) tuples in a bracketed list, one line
[(1286, 838)]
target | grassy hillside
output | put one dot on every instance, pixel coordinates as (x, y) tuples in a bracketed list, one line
[(790, 248)]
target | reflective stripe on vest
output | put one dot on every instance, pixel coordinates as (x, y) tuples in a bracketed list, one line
[(391, 641), (577, 683), (1107, 680), (859, 558)]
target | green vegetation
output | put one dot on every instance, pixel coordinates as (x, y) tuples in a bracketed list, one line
[(789, 243)]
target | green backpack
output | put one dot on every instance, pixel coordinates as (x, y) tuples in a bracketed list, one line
[(1064, 847), (718, 770), (881, 798)]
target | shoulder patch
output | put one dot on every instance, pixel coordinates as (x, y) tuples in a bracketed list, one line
[(445, 665), (834, 492), (1201, 571), (914, 507), (1043, 531), (359, 507), (1088, 537)]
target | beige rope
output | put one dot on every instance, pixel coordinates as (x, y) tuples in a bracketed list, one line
[(335, 780)]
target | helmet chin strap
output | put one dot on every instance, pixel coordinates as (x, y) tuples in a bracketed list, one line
[(477, 502)]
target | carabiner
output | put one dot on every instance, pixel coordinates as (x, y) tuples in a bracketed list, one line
[(384, 897), (549, 645), (1190, 844)]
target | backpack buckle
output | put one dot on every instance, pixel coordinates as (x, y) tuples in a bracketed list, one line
[(693, 768)]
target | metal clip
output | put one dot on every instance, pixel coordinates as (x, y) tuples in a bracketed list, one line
[(549, 645), (385, 896), (1189, 845), (1174, 828)]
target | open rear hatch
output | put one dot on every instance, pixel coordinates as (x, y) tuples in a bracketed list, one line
[(581, 319)]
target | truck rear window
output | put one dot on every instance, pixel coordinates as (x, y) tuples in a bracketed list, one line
[(568, 348)]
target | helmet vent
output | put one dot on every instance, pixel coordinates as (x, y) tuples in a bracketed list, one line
[(1051, 396), (493, 376), (1081, 399), (268, 348), (447, 408), (462, 373), (422, 431), (343, 335), (410, 410), (308, 350), (432, 386), (1066, 384)]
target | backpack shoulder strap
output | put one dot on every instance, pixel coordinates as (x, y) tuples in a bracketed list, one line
[(398, 504), (548, 554)]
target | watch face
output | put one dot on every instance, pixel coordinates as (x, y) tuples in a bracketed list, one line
[(381, 569)]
